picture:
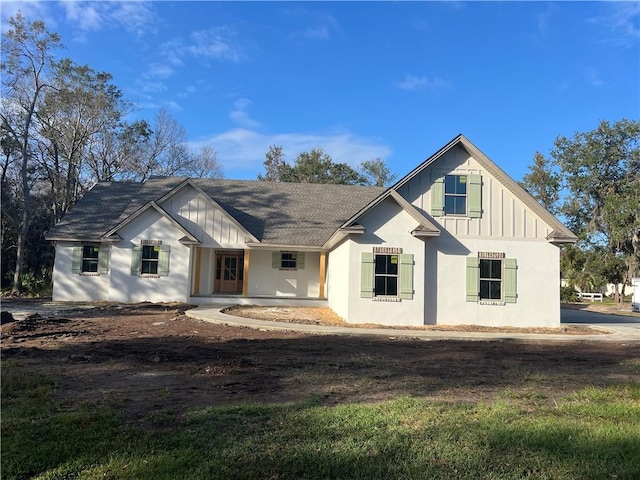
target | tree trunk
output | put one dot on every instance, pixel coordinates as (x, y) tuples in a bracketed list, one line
[(24, 228)]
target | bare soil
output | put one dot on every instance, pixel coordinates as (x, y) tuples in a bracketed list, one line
[(325, 316), (151, 358)]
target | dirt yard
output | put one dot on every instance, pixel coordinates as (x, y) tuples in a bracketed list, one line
[(152, 358)]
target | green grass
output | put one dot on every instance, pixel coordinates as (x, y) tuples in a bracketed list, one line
[(592, 434)]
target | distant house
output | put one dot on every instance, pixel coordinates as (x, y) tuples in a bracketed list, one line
[(456, 241)]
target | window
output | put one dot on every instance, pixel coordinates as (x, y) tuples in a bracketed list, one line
[(455, 195), (386, 275), (90, 258), (150, 259), (490, 279), (150, 256), (288, 260)]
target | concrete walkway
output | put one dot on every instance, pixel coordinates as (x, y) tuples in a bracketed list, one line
[(212, 313)]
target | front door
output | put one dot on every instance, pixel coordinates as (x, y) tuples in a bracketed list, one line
[(229, 273)]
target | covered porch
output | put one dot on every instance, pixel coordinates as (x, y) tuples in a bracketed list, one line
[(266, 275)]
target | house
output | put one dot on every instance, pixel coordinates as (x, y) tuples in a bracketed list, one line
[(456, 241)]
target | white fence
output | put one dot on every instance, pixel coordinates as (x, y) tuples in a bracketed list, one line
[(591, 296)]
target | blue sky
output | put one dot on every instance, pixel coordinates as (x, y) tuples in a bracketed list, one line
[(395, 80)]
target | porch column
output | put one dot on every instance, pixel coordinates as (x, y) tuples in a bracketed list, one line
[(196, 273), (245, 275), (323, 273)]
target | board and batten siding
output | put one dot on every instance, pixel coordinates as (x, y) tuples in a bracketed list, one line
[(208, 223), (503, 215)]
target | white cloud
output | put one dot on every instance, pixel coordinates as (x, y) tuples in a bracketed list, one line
[(620, 21), (217, 43), (240, 115), (323, 25), (594, 78), (414, 83), (243, 149), (137, 17), (30, 10)]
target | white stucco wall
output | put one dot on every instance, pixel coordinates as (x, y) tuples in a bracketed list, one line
[(339, 279), (538, 273), (388, 225), (70, 287), (265, 280), (132, 288), (440, 277)]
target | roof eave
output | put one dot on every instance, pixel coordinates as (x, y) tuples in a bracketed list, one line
[(283, 246), (341, 234)]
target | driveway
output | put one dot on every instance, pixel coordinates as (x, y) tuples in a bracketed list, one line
[(627, 325)]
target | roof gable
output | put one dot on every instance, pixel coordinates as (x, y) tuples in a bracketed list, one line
[(560, 232), (188, 237)]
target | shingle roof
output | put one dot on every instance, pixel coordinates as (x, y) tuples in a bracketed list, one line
[(275, 213)]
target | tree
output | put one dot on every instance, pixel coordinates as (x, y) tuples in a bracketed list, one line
[(315, 166), (273, 164), (163, 151), (27, 53), (111, 150), (543, 182), (377, 173), (204, 164), (82, 105), (600, 170)]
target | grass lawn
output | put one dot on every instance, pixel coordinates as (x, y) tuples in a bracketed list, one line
[(593, 433)]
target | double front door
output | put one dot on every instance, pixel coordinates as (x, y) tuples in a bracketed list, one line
[(229, 272)]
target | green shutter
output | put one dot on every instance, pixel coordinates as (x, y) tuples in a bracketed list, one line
[(406, 276), (366, 275), (276, 260), (300, 261), (76, 260), (136, 259), (103, 260), (474, 193), (163, 260), (510, 280), (437, 197), (473, 270)]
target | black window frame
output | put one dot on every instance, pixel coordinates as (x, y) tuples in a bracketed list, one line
[(386, 275), (149, 259), (288, 260), (90, 258), (491, 278), (456, 200)]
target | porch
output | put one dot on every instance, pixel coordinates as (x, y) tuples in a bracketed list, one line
[(260, 275)]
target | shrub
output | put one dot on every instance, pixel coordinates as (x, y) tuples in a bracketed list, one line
[(568, 294)]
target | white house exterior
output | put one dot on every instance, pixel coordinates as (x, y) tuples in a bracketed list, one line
[(456, 241)]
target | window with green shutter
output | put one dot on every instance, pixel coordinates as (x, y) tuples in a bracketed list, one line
[(491, 279), (457, 195), (90, 259), (287, 260), (150, 259), (386, 275)]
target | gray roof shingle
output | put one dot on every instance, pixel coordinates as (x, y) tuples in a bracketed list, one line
[(275, 213)]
